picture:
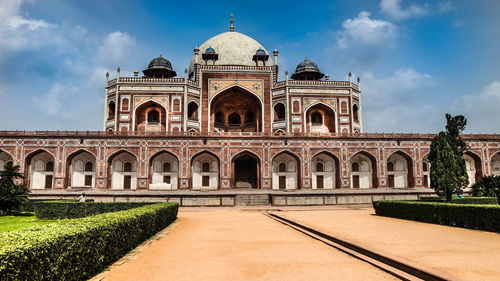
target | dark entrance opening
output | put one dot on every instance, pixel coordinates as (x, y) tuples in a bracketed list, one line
[(127, 182), (319, 182), (391, 180), (282, 182), (245, 172), (48, 181), (355, 181)]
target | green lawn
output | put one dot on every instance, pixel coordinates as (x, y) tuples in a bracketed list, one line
[(8, 223)]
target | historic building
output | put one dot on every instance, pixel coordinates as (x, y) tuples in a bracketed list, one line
[(228, 123)]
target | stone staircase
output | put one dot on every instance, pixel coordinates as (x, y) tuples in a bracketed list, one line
[(253, 200)]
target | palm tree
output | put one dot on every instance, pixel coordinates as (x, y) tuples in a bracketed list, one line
[(12, 195)]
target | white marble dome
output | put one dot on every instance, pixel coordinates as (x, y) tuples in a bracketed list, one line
[(233, 48)]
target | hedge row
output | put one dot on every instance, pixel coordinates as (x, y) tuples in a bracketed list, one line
[(465, 200), (482, 217), (81, 248), (30, 205), (70, 210)]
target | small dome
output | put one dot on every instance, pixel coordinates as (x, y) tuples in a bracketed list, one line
[(160, 68), (210, 50), (260, 52), (160, 62), (307, 70)]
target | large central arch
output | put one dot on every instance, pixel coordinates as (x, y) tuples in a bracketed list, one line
[(235, 110)]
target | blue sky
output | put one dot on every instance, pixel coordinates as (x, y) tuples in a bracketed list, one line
[(417, 59)]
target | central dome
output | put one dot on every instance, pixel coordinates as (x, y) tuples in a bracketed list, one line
[(233, 48)]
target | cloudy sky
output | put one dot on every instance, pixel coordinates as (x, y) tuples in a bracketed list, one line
[(417, 59)]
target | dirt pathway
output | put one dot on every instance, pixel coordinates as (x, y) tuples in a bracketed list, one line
[(465, 254), (239, 245)]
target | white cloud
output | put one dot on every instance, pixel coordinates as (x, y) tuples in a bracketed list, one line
[(480, 109), (399, 102), (367, 32), (116, 48), (393, 9), (444, 7), (55, 102)]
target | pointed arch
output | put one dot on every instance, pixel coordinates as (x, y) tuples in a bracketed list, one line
[(76, 177), (291, 178), (246, 169), (36, 175), (373, 182), (201, 179), (163, 119), (118, 176), (474, 169), (253, 103), (326, 118), (495, 163), (336, 163), (397, 175), (159, 177)]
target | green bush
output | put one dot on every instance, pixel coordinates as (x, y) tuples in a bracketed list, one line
[(71, 210), (30, 207), (80, 248), (485, 186), (465, 200), (483, 217)]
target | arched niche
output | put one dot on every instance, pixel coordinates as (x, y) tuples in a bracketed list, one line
[(363, 170), (233, 102), (399, 170), (325, 172), (164, 168), (111, 110), (426, 171), (473, 167), (150, 117), (495, 164), (286, 171), (320, 118), (81, 170), (246, 170), (192, 111), (40, 167), (279, 111), (5, 158), (123, 171), (205, 171)]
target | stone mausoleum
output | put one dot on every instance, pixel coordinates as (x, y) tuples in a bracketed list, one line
[(228, 125)]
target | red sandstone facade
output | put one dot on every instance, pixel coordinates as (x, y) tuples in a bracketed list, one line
[(231, 125)]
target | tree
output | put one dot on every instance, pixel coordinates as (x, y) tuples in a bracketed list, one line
[(12, 195), (448, 170)]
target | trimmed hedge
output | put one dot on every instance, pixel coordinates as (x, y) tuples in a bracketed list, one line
[(465, 200), (81, 248), (30, 207), (71, 210), (481, 217)]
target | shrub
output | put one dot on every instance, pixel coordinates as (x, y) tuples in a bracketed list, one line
[(71, 209), (30, 207), (12, 196), (483, 217), (78, 249), (485, 186), (464, 200)]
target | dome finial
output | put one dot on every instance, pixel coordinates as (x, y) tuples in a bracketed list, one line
[(231, 27)]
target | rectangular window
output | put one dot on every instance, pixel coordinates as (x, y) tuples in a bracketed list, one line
[(166, 179), (127, 180), (88, 180), (319, 182), (48, 181), (282, 182), (426, 181), (205, 181)]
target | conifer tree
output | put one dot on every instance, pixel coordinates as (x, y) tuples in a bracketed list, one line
[(448, 170)]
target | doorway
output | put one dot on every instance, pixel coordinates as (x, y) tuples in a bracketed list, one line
[(245, 172)]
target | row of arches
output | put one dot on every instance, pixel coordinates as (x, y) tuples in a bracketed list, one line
[(246, 170)]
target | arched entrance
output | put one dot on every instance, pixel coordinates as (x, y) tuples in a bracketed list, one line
[(150, 117), (205, 171), (123, 171), (80, 170), (236, 110), (5, 158), (40, 170), (320, 118), (285, 171), (363, 171), (246, 172), (164, 167), (473, 166), (399, 170), (495, 164), (325, 171)]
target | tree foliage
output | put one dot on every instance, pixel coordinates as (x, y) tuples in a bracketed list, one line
[(12, 196), (448, 170)]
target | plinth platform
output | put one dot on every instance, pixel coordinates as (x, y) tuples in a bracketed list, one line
[(243, 197)]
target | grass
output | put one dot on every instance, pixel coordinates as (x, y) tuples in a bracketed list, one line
[(8, 223)]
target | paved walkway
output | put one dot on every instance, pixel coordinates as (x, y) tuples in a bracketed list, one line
[(462, 253), (222, 244)]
